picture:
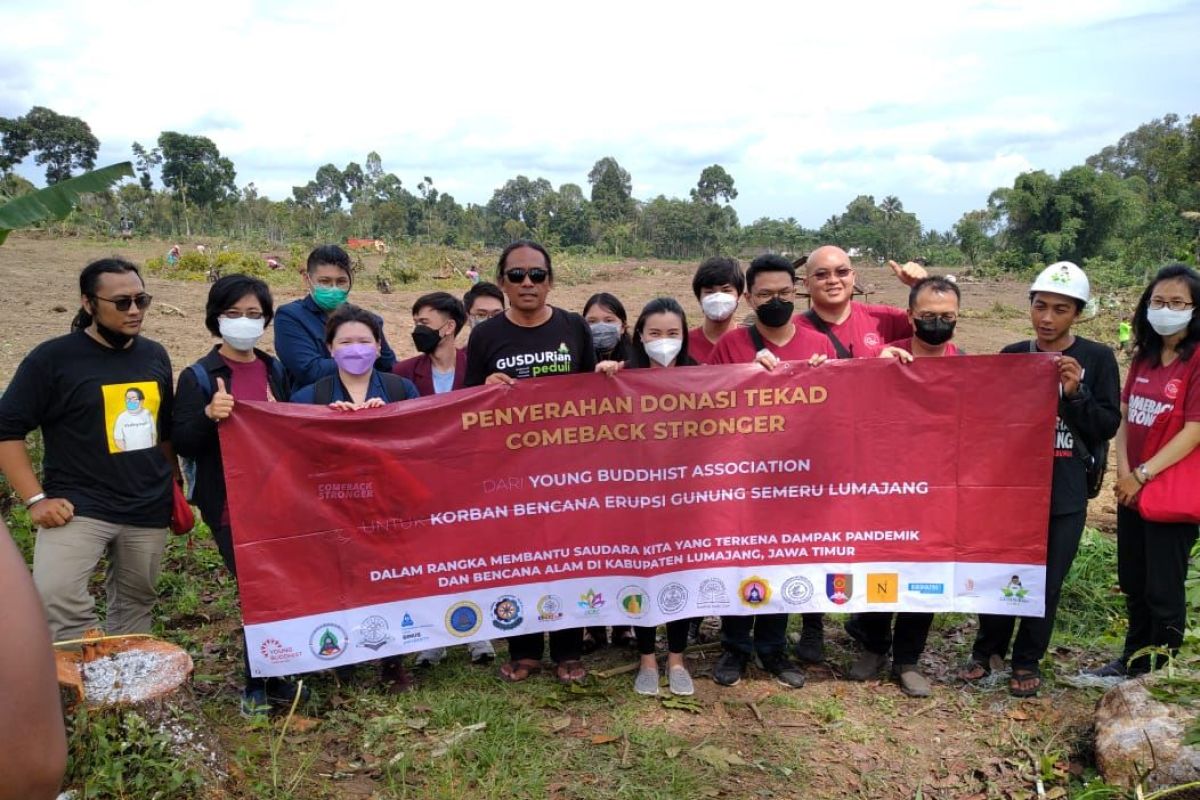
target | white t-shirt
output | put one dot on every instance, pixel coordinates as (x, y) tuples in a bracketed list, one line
[(135, 430)]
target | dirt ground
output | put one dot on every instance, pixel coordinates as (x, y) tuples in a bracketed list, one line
[(841, 739)]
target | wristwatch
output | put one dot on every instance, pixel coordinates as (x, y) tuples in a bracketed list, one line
[(1144, 473)]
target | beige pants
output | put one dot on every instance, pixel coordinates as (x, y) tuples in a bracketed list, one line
[(65, 558)]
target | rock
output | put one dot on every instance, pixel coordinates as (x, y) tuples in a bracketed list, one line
[(1137, 735), (60, 309)]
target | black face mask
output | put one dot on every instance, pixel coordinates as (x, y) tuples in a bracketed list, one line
[(426, 339), (115, 339), (933, 332), (775, 313)]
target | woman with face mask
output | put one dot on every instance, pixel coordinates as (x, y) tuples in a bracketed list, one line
[(1159, 433), (606, 316), (660, 339), (238, 311)]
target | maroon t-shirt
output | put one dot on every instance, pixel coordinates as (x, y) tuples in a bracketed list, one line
[(247, 379), (867, 329), (1151, 390), (699, 347), (736, 347)]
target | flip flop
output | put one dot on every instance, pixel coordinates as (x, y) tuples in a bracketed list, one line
[(519, 669), (571, 671), (1024, 676)]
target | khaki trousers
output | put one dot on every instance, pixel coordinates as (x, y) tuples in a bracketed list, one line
[(65, 558)]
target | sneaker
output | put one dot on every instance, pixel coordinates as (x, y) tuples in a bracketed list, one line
[(867, 666), (912, 682), (647, 681), (1113, 669), (811, 647), (785, 671), (282, 691), (394, 676), (481, 652), (430, 658), (254, 703), (729, 669), (680, 681)]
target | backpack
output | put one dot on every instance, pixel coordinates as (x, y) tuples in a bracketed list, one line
[(188, 465)]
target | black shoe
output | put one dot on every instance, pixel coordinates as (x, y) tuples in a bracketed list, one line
[(855, 631), (730, 668), (811, 647), (1116, 669), (785, 672), (282, 691)]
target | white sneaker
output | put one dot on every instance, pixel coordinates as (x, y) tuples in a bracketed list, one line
[(481, 652), (430, 658)]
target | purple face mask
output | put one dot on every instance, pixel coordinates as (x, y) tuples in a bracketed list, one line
[(356, 359)]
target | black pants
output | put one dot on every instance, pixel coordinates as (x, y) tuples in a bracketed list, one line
[(677, 634), (1033, 633), (769, 634), (565, 645), (905, 644), (1152, 563)]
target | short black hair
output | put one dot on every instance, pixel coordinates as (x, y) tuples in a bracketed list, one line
[(332, 255), (718, 271), (620, 350), (1079, 304), (482, 289), (934, 283), (1147, 342), (517, 245), (227, 291), (771, 262), (141, 395), (446, 303), (89, 279), (660, 305), (348, 312)]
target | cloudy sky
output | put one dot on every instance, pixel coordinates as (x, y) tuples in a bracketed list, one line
[(935, 102)]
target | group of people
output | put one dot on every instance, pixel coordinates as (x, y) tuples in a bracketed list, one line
[(115, 425)]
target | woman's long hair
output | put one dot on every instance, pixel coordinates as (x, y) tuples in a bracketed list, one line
[(1147, 342), (661, 305)]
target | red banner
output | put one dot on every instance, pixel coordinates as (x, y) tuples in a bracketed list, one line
[(652, 495)]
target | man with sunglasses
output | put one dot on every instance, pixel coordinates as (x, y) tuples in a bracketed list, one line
[(102, 397), (531, 340)]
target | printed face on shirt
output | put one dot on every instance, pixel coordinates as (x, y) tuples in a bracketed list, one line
[(131, 415), (114, 287), (829, 277), (526, 295)]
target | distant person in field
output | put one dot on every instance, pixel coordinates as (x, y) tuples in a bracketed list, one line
[(1088, 416), (300, 324), (99, 497), (532, 339), (33, 742), (933, 305), (1164, 379), (659, 340), (718, 284), (853, 330), (238, 311), (483, 301)]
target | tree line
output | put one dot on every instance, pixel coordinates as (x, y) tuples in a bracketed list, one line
[(1132, 206)]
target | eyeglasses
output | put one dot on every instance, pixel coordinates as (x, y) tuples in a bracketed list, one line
[(783, 294), (1175, 305), (238, 315), (142, 301), (535, 275), (929, 316), (840, 273), (482, 315)]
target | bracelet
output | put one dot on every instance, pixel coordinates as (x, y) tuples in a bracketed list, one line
[(37, 498), (1144, 473)]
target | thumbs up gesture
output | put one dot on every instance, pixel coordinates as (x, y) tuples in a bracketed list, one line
[(910, 273), (221, 405)]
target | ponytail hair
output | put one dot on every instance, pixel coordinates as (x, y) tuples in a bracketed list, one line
[(90, 278)]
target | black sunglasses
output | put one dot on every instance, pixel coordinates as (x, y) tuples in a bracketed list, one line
[(536, 275), (142, 301)]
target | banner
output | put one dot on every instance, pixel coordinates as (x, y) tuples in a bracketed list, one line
[(561, 502)]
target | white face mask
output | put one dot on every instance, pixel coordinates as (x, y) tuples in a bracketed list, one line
[(718, 306), (663, 351), (241, 334), (1166, 322)]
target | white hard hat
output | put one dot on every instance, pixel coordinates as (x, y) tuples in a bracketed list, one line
[(1063, 277)]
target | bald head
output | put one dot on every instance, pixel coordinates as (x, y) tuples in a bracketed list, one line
[(828, 256), (829, 277)]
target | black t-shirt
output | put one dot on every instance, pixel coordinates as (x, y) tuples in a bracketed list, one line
[(1095, 411), (103, 413), (559, 346)]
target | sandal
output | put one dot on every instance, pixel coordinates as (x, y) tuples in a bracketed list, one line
[(1024, 682), (973, 670), (519, 669), (572, 671)]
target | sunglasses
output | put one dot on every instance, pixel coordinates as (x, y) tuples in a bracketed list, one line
[(518, 275), (142, 301)]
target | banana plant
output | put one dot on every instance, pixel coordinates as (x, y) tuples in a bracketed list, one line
[(57, 201)]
